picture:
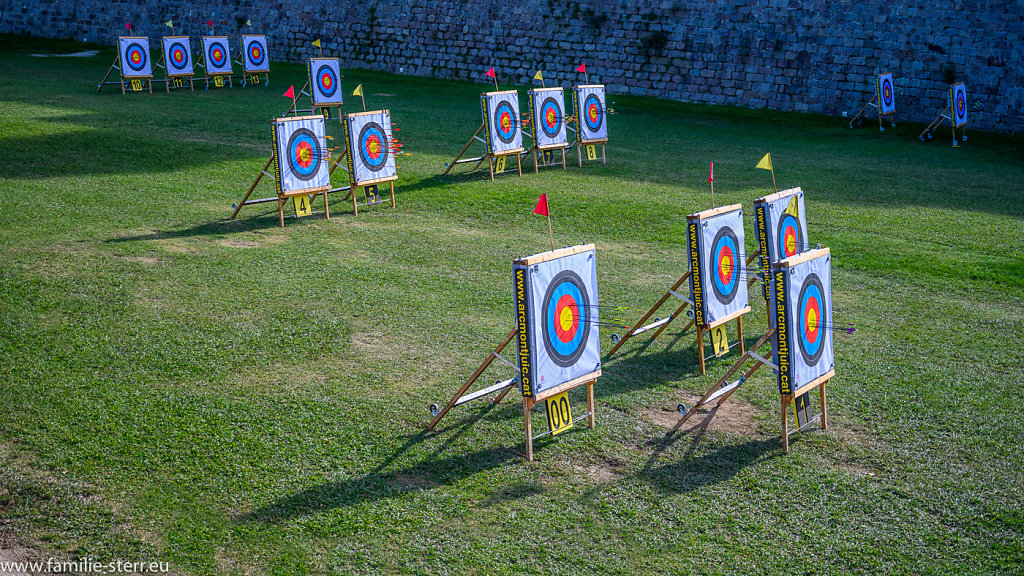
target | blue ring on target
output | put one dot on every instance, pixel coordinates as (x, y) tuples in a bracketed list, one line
[(725, 292), (370, 130), (566, 284), (592, 102), (321, 72), (550, 105), (788, 222), (811, 291), (135, 48), (262, 53), (177, 55), (217, 62), (504, 107), (303, 136)]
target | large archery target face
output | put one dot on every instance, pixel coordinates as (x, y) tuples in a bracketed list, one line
[(302, 154), (548, 117), (809, 316), (324, 77), (958, 102), (218, 57), (177, 55), (371, 145), (255, 50), (886, 94), (722, 262), (134, 57), (502, 116), (563, 335), (592, 112)]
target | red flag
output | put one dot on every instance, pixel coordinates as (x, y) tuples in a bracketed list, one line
[(490, 72), (290, 93), (711, 173), (209, 22), (582, 68), (542, 205)]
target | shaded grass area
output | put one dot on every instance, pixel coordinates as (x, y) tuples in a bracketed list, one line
[(238, 398)]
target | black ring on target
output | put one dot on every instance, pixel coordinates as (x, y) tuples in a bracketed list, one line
[(372, 133), (260, 55), (550, 110), (217, 62), (725, 245), (887, 92), (787, 222), (303, 138), (504, 112), (132, 49), (593, 115), (177, 55), (566, 294), (812, 297), (325, 71)]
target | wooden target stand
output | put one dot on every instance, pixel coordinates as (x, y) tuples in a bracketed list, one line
[(945, 114), (494, 161), (591, 150), (175, 80), (542, 151), (370, 195), (254, 77), (218, 77), (136, 83)]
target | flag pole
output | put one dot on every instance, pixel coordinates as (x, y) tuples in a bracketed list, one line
[(774, 187), (363, 98), (711, 180), (550, 234), (495, 78)]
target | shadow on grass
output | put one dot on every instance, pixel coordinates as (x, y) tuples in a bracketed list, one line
[(263, 221)]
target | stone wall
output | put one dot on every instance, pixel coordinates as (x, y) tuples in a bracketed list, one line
[(798, 55)]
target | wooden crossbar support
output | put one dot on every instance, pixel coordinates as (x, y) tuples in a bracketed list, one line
[(452, 164), (668, 294), (861, 112), (455, 399), (253, 187)]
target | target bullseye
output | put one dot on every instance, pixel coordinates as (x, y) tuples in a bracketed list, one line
[(565, 318), (724, 263)]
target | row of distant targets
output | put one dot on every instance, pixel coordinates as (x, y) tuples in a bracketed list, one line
[(884, 103), (137, 70)]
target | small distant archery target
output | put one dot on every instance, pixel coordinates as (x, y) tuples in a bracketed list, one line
[(557, 312), (134, 57), (217, 55), (718, 286), (548, 105), (370, 144), (302, 155), (254, 47), (324, 77), (177, 55), (803, 295), (591, 112), (958, 104), (886, 94), (501, 115)]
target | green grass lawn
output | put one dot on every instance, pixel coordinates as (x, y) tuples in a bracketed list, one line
[(237, 398)]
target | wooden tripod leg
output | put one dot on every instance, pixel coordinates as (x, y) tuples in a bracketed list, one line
[(528, 426), (253, 187), (739, 333), (563, 158), (604, 155), (650, 313), (355, 206), (536, 162), (336, 163), (392, 185), (280, 210), (579, 153), (785, 423), (463, 151), (107, 75), (490, 166), (824, 406), (519, 160), (327, 208), (700, 349), (479, 371), (590, 403)]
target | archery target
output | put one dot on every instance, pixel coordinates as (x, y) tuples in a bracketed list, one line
[(324, 77), (548, 125), (803, 296), (886, 94), (177, 55), (134, 53), (719, 287), (501, 116), (958, 104), (591, 112), (785, 233), (255, 50), (301, 154), (557, 312), (217, 55), (370, 146)]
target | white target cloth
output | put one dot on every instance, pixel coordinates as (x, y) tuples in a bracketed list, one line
[(547, 106), (802, 290), (216, 55), (325, 81), (254, 53), (958, 104), (134, 54), (178, 55), (591, 112), (718, 284), (501, 117), (885, 92), (301, 154), (371, 154), (557, 319)]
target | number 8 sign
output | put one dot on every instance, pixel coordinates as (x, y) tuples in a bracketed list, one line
[(559, 413)]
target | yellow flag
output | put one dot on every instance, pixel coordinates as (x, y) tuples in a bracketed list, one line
[(169, 24), (766, 162), (538, 76), (316, 42), (794, 208), (358, 91), (248, 22)]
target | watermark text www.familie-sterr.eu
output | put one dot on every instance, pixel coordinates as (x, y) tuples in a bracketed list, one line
[(83, 566)]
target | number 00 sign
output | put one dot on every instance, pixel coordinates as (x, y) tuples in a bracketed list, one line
[(559, 414)]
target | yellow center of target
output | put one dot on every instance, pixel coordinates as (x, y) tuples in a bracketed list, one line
[(304, 154), (373, 146), (565, 319), (812, 320)]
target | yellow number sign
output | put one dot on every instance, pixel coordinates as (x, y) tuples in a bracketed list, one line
[(256, 79), (591, 152), (499, 164), (136, 85), (302, 205), (559, 414), (218, 81), (719, 341), (177, 83), (370, 194)]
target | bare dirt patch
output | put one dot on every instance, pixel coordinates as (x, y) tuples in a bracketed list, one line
[(233, 243), (735, 416), (607, 470)]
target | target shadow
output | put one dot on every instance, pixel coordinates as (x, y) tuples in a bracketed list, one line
[(212, 228)]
